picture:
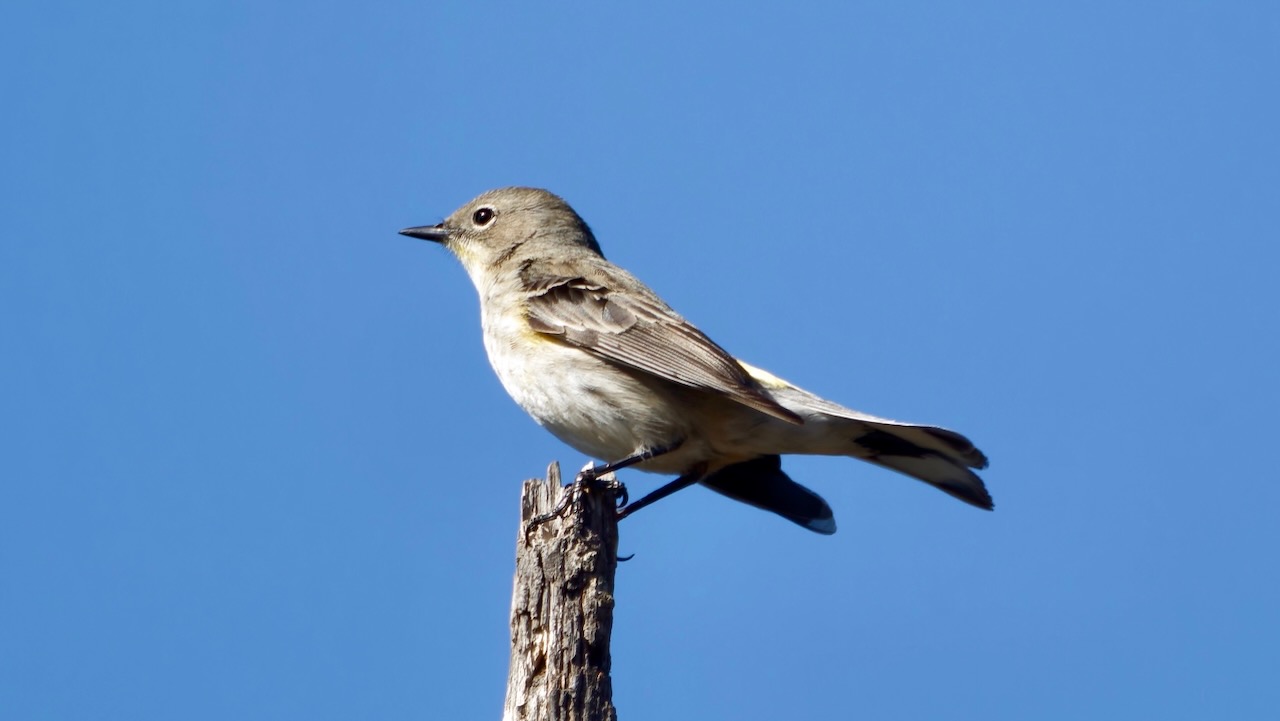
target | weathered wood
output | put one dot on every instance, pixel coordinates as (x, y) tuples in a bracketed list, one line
[(562, 606)]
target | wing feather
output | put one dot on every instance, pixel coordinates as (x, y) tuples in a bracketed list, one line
[(637, 330)]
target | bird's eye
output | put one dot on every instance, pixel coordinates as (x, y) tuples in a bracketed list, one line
[(482, 217)]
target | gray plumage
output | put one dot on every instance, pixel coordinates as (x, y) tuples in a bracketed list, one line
[(602, 362)]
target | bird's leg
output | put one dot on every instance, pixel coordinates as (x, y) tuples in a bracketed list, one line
[(640, 457), (682, 482), (591, 474)]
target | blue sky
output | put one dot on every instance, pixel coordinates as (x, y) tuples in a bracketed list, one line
[(255, 464)]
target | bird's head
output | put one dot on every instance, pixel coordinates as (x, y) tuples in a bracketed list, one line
[(489, 230)]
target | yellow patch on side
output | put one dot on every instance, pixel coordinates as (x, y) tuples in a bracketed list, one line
[(527, 333)]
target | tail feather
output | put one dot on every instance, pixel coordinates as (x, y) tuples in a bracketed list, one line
[(761, 483)]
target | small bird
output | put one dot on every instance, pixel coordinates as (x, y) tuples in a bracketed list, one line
[(598, 359)]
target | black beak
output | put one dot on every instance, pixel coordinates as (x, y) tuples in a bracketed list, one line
[(437, 233)]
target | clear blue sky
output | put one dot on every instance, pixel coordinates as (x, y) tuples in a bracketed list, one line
[(255, 464)]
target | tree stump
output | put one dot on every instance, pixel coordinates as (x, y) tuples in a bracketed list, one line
[(562, 605)]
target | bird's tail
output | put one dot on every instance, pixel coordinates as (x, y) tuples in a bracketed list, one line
[(761, 483)]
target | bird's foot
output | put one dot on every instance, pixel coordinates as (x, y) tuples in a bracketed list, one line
[(591, 476)]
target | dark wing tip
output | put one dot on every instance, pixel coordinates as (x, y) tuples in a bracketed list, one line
[(960, 444), (945, 473), (971, 490)]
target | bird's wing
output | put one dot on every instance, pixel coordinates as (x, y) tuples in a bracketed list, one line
[(945, 441), (955, 447), (637, 330), (937, 456)]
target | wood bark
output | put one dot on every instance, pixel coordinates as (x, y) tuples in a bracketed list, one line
[(562, 605)]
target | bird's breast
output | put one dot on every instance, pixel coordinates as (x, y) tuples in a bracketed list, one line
[(600, 409)]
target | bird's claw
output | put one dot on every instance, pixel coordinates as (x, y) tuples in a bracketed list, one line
[(588, 477)]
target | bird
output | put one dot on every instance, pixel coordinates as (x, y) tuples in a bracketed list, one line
[(604, 364)]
